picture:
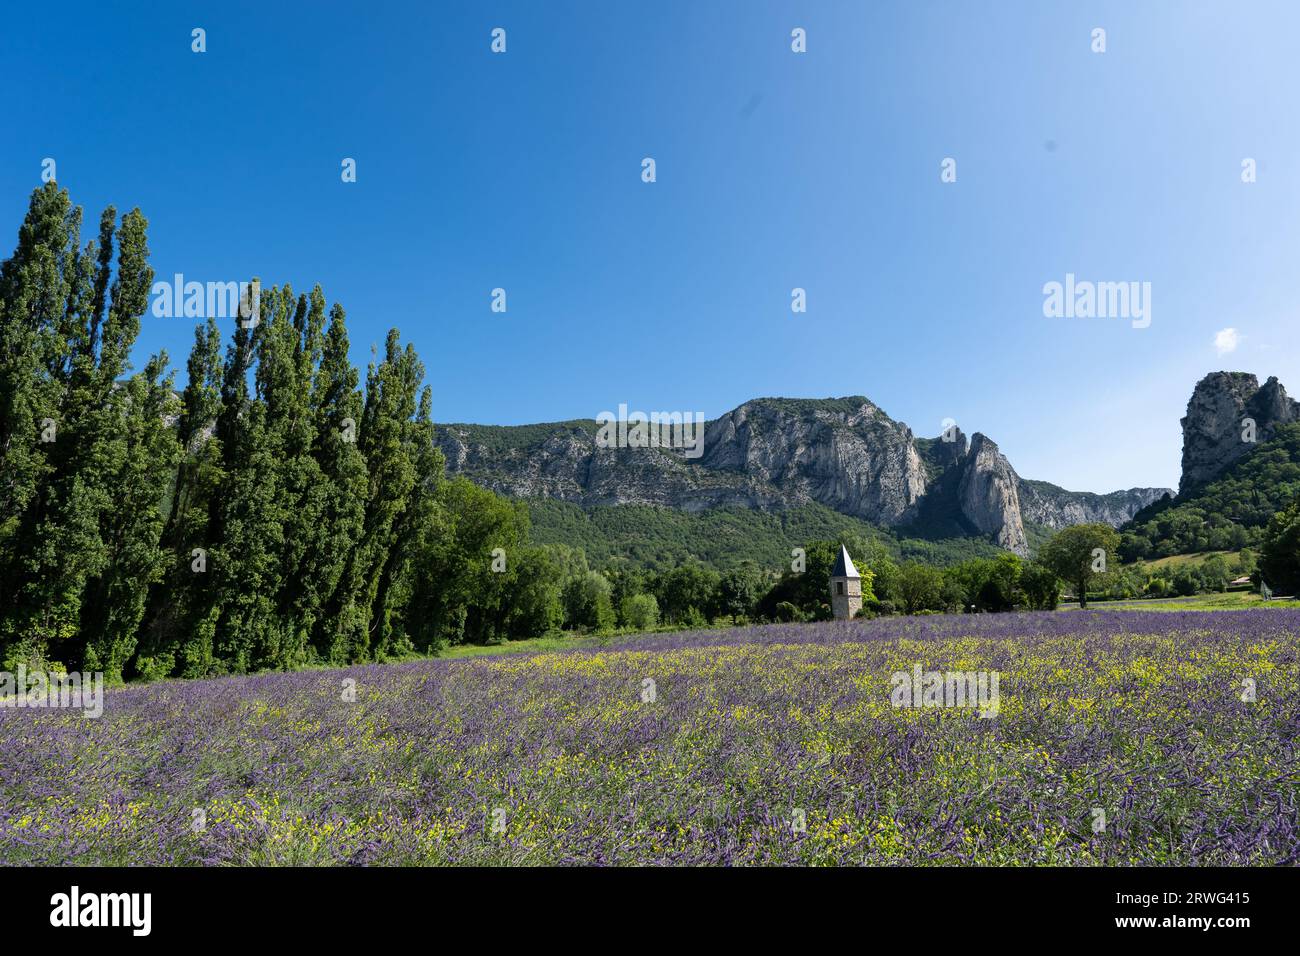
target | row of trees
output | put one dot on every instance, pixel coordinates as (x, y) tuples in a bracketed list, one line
[(1080, 560), (693, 595), (888, 585), (277, 511)]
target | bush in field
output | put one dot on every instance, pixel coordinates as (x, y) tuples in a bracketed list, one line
[(788, 613), (1158, 587), (1186, 581), (640, 611), (1215, 574)]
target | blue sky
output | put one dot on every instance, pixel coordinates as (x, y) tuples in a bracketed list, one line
[(775, 170)]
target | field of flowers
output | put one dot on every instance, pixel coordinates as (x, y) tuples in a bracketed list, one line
[(766, 745)]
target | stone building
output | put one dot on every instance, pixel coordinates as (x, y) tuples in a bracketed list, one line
[(846, 587)]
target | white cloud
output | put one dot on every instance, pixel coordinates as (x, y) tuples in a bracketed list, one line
[(1226, 341)]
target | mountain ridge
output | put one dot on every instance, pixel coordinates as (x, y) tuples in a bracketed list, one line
[(779, 453)]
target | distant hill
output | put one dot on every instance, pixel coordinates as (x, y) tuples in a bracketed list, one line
[(775, 456)]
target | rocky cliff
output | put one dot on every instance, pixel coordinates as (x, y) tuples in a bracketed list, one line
[(989, 495), (774, 454), (1216, 428), (850, 456)]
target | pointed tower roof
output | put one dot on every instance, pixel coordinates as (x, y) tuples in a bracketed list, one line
[(844, 566)]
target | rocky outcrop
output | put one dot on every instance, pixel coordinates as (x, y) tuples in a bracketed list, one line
[(774, 454), (1217, 427), (854, 459), (990, 497)]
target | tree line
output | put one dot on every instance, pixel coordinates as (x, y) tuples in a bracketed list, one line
[(275, 512)]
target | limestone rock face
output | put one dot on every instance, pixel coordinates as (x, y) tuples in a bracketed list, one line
[(1055, 508), (855, 459), (990, 495), (773, 454), (1215, 422)]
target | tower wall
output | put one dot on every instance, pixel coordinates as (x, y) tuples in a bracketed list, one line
[(844, 606)]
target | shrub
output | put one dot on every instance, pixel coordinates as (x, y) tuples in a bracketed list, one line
[(640, 611)]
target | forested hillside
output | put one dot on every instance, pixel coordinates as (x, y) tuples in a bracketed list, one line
[(654, 537), (1226, 514)]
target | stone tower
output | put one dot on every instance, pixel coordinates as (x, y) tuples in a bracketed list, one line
[(846, 587)]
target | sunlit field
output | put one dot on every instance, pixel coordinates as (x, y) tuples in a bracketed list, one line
[(1119, 738), (1229, 601)]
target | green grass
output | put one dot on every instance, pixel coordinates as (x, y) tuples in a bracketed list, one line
[(568, 641), (1230, 601), (536, 645), (1175, 561)]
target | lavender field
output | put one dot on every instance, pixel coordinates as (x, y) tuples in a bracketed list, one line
[(769, 745)]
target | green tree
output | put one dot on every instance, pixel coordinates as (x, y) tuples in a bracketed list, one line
[(145, 459), (739, 590), (920, 587), (336, 412), (1245, 563), (989, 584), (465, 576), (640, 612), (1186, 581), (534, 604), (75, 445), (1040, 585), (874, 557), (688, 588), (1279, 557), (1080, 554), (591, 607), (1214, 573)]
